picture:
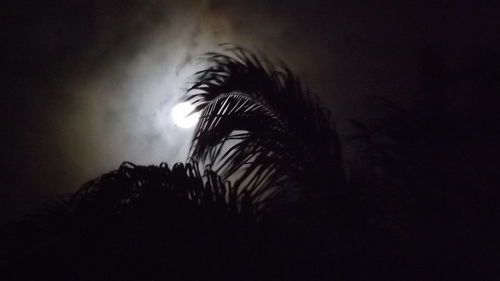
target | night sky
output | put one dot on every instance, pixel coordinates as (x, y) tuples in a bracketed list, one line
[(90, 84)]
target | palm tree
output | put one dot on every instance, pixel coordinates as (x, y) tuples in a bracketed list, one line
[(271, 204), (261, 127)]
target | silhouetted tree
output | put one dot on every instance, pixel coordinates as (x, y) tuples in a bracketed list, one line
[(280, 209), (137, 223)]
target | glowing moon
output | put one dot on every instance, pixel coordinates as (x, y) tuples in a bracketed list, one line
[(182, 117)]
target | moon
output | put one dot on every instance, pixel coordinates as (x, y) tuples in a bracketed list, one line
[(183, 116)]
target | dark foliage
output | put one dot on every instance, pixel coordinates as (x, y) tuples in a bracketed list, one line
[(423, 199), (154, 223), (259, 121), (135, 223)]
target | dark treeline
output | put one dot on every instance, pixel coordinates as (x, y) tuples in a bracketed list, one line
[(267, 195)]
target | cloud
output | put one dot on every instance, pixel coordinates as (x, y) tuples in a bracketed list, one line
[(120, 111)]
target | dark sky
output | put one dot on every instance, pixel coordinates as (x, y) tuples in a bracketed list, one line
[(89, 84)]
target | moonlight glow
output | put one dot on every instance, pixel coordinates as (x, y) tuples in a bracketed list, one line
[(182, 117)]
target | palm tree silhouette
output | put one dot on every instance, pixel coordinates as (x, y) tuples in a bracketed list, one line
[(271, 203), (259, 121)]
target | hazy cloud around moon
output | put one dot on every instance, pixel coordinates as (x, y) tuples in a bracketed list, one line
[(121, 111)]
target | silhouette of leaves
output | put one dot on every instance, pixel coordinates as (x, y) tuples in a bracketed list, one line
[(152, 217), (261, 128)]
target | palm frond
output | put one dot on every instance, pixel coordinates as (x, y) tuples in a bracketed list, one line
[(259, 125)]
